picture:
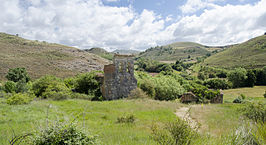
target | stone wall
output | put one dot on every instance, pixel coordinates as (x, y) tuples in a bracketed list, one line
[(119, 77)]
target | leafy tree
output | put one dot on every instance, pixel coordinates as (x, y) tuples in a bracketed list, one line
[(238, 77), (9, 87), (40, 85), (88, 84), (18, 74), (251, 79)]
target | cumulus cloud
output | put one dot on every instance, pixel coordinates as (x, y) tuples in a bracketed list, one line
[(90, 23), (223, 24)]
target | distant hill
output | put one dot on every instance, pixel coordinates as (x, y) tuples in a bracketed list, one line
[(250, 54), (179, 50), (124, 51), (101, 52), (42, 58)]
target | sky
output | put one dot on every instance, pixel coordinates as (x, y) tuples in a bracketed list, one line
[(134, 24)]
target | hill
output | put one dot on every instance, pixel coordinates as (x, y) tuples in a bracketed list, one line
[(179, 50), (250, 54), (124, 51), (101, 52), (42, 58)]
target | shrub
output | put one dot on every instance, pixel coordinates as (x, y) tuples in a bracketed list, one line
[(57, 91), (88, 84), (81, 96), (137, 94), (22, 87), (167, 88), (251, 79), (126, 119), (174, 133), (240, 99), (63, 135), (9, 87), (18, 74), (40, 85), (70, 82), (217, 84), (264, 94), (51, 87), (148, 87), (238, 77), (204, 93), (19, 99), (255, 112)]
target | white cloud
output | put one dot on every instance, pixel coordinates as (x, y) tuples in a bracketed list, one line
[(192, 6), (90, 23), (223, 24)]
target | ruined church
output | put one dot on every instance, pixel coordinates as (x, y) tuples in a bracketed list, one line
[(119, 77)]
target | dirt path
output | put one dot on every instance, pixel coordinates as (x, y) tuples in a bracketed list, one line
[(183, 113)]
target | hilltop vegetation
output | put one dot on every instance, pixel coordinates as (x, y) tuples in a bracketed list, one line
[(109, 55), (188, 51), (101, 52), (250, 54), (42, 58)]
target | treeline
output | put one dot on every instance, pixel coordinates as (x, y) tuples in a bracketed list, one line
[(239, 77), (156, 66), (19, 89)]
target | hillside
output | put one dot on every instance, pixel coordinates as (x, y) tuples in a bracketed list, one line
[(250, 54), (178, 50), (101, 52), (124, 51), (42, 58)]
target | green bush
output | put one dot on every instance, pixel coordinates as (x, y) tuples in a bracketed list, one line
[(137, 94), (70, 82), (167, 88), (63, 135), (126, 119), (18, 74), (217, 84), (255, 112), (51, 87), (174, 133), (203, 92), (57, 91), (23, 87), (148, 87), (9, 87), (251, 79), (238, 77), (39, 86), (88, 84), (81, 96), (19, 99), (240, 99)]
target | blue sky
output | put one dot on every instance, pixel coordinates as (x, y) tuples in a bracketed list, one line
[(134, 24)]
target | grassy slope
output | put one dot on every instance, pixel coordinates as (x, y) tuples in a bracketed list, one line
[(42, 58), (99, 118), (221, 119), (101, 52), (175, 51), (250, 54)]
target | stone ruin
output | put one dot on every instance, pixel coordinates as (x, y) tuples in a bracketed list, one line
[(189, 97), (119, 79)]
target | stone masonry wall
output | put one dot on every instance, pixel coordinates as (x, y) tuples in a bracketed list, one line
[(119, 77)]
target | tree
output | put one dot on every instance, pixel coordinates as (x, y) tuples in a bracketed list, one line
[(251, 79), (18, 74), (238, 77)]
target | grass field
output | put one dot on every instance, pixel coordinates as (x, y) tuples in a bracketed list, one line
[(250, 54), (101, 117)]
